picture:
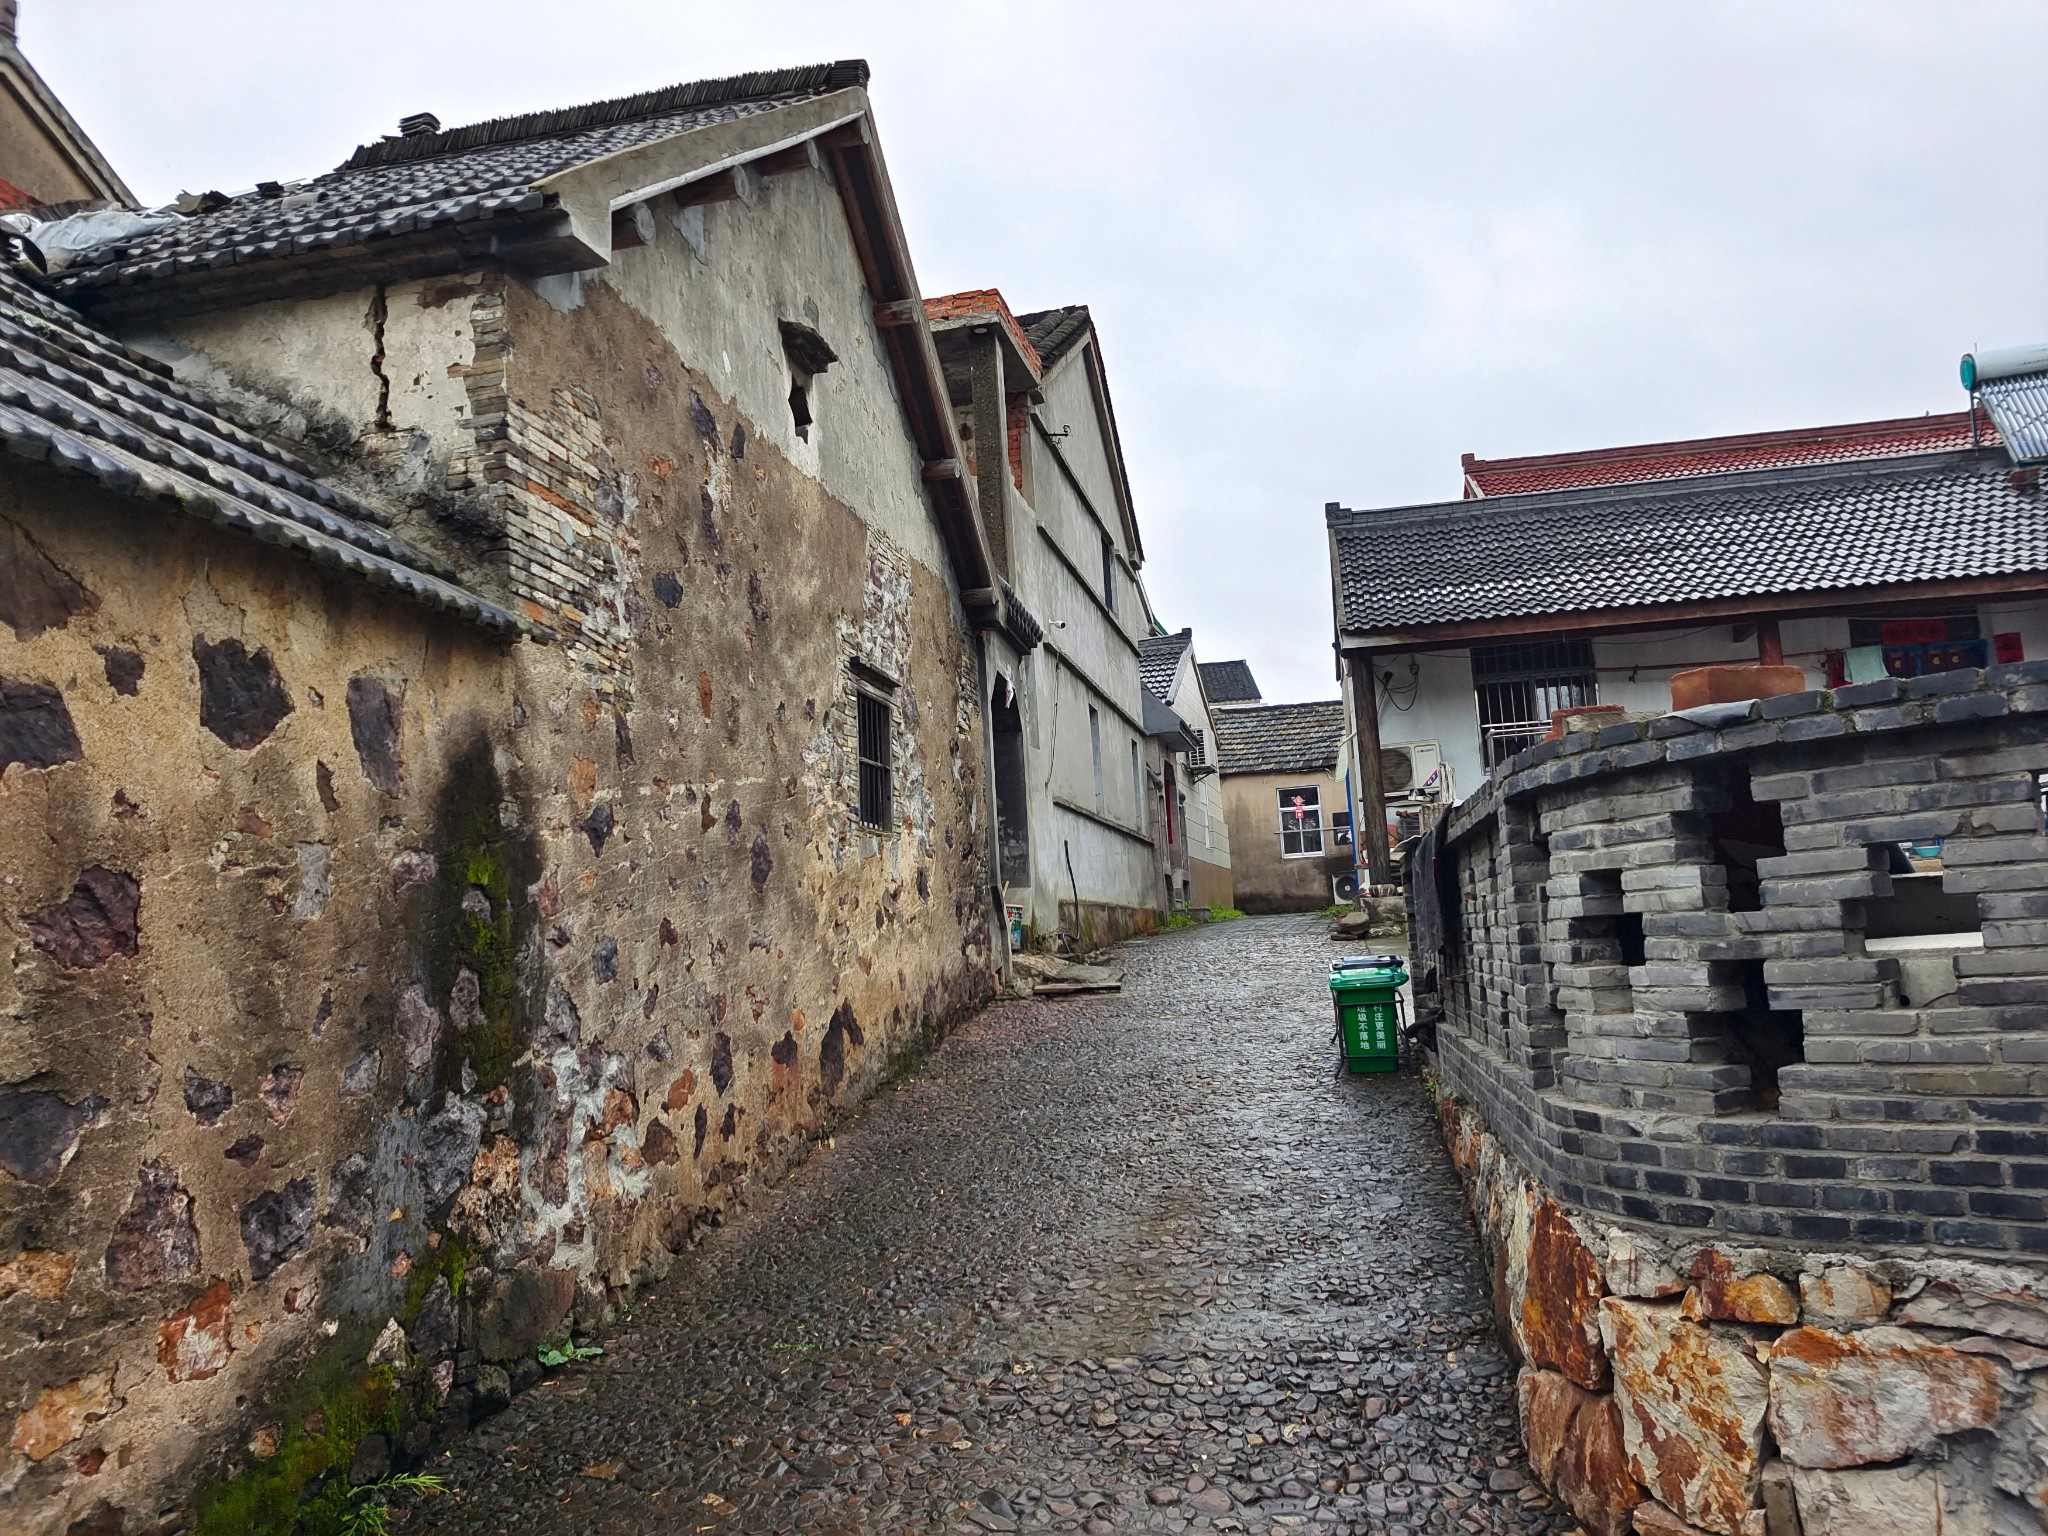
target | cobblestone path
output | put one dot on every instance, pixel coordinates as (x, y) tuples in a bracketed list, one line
[(1124, 1263)]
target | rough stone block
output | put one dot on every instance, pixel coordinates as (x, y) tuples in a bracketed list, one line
[(1575, 1446), (1847, 1400), (1692, 1400)]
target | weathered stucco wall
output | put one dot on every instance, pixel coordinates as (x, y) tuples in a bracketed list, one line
[(239, 821), (1263, 880), (505, 1002)]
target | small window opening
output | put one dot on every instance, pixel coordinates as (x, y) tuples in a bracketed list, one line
[(1138, 817), (800, 411), (1109, 573), (1628, 939), (1609, 939), (1747, 832), (877, 788), (1766, 1038)]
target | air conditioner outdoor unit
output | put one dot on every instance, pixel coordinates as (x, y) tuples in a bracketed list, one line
[(1344, 887), (1413, 771)]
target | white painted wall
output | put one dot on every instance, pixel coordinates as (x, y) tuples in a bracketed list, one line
[(791, 257), (1090, 658), (1634, 671), (1208, 831)]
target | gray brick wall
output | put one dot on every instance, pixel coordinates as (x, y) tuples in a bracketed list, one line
[(1622, 1005)]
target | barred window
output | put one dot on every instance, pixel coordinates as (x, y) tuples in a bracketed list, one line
[(877, 788)]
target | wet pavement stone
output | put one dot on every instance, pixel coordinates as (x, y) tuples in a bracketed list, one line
[(1131, 1262)]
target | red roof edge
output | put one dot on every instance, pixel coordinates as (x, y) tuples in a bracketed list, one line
[(984, 301), (1903, 426)]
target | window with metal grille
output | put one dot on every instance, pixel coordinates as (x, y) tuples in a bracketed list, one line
[(1519, 685), (877, 798)]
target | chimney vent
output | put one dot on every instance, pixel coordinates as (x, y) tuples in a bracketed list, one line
[(417, 126)]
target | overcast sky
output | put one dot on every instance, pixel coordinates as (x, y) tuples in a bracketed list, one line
[(1329, 246)]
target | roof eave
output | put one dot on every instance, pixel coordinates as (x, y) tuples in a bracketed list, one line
[(1834, 600), (1421, 514)]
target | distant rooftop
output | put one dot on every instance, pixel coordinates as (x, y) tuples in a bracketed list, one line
[(1682, 460), (1228, 682), (1280, 738)]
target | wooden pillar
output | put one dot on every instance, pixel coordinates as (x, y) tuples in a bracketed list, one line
[(1770, 649), (1371, 832)]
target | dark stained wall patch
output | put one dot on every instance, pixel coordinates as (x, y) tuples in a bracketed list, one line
[(276, 1225), (96, 922), (39, 1131), (35, 726), (124, 669), (375, 713), (206, 1099), (241, 697), (155, 1239), (667, 590), (721, 1062), (36, 593)]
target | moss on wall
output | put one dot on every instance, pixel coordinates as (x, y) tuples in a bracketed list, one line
[(474, 921)]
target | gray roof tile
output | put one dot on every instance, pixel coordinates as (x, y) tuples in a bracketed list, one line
[(1159, 660), (402, 186), (1279, 738), (1228, 682), (81, 402), (1764, 533), (1053, 333)]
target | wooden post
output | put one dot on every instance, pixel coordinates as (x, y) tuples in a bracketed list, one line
[(1371, 832), (1770, 649)]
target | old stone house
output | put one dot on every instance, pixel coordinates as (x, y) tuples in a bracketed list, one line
[(1898, 548), (492, 761), (1078, 770), (1197, 833), (1290, 830)]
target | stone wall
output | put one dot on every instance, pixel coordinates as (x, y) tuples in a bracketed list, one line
[(383, 1002), (1750, 1104)]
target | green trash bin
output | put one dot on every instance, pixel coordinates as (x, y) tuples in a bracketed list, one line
[(1365, 989)]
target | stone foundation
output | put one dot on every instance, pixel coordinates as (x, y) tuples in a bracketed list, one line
[(1676, 1386)]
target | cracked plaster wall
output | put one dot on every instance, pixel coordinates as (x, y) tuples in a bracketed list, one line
[(616, 950)]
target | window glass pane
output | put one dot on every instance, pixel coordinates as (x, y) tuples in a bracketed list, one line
[(1301, 821)]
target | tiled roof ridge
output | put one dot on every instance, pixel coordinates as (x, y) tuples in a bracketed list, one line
[(1784, 437), (87, 364), (1279, 738), (1246, 711), (619, 109), (1493, 508), (68, 398), (1053, 331)]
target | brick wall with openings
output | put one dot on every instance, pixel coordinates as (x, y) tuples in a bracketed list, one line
[(1741, 1037)]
